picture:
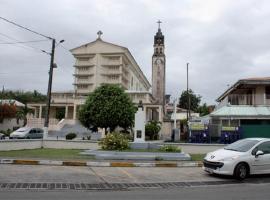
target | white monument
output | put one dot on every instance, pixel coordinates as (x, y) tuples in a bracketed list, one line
[(139, 128)]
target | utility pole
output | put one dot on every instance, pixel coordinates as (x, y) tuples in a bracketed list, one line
[(48, 105), (188, 99), (52, 65)]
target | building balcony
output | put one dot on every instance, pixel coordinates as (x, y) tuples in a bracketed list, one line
[(84, 73), (248, 99), (62, 98), (83, 82)]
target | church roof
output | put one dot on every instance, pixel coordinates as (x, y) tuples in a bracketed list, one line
[(110, 47)]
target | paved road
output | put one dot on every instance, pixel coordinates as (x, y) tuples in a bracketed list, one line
[(64, 174), (224, 192)]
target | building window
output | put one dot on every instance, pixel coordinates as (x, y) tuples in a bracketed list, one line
[(267, 92)]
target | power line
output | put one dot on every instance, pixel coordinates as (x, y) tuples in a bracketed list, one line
[(19, 73), (31, 41), (11, 22), (24, 45)]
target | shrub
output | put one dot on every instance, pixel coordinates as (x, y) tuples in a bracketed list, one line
[(170, 148), (115, 141), (71, 136), (151, 129)]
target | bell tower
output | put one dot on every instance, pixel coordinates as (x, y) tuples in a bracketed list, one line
[(158, 68)]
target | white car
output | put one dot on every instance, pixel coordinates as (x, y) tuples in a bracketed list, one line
[(240, 159), (27, 133)]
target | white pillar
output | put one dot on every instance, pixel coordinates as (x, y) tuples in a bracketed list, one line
[(139, 127), (35, 113), (74, 111), (40, 112), (160, 113), (66, 112)]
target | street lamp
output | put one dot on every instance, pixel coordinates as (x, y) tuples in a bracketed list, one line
[(48, 105)]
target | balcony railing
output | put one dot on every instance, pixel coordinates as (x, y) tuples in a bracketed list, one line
[(248, 99)]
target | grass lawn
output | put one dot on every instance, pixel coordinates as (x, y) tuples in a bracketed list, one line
[(67, 154), (197, 157), (54, 154)]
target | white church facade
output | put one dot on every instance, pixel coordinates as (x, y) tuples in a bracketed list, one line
[(100, 62)]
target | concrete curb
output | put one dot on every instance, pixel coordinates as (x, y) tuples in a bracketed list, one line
[(101, 163)]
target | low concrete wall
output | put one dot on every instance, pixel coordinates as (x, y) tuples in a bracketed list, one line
[(7, 145), (64, 144), (197, 148)]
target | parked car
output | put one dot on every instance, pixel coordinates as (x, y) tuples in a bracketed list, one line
[(2, 136), (27, 133), (240, 159)]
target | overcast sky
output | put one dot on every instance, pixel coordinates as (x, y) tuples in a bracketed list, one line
[(222, 40)]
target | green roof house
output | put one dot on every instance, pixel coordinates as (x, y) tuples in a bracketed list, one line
[(246, 104)]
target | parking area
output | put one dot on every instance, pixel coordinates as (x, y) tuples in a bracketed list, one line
[(66, 174)]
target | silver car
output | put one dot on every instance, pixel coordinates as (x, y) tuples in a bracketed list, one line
[(27, 133)]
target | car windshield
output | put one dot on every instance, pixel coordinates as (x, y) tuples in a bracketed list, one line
[(242, 145), (22, 129)]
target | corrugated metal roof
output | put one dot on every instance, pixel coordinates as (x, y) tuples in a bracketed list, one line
[(248, 111)]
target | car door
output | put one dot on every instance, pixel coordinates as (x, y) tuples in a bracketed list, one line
[(261, 163), (39, 133), (32, 133)]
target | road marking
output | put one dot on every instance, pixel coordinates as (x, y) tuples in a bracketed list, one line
[(98, 175), (128, 174)]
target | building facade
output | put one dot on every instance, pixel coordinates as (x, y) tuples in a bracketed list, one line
[(245, 104), (100, 62)]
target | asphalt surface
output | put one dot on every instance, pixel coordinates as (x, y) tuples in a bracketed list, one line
[(66, 174), (240, 191)]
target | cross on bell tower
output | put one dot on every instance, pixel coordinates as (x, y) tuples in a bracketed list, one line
[(99, 33), (159, 22)]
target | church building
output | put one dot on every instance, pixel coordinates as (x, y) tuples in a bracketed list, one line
[(100, 62)]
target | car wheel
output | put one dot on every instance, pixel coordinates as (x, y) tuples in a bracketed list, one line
[(241, 171), (27, 137)]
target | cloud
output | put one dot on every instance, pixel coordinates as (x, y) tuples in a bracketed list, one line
[(222, 40)]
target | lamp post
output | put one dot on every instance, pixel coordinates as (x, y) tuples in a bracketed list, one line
[(48, 105), (188, 99)]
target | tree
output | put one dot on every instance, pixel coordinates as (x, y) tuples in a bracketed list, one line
[(152, 128), (194, 100), (23, 97), (7, 111), (107, 107), (203, 110)]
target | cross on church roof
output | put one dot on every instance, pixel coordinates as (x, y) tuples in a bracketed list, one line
[(99, 33), (159, 22)]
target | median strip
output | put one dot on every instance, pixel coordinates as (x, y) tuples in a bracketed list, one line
[(102, 163)]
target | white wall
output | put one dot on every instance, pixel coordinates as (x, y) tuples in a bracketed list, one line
[(7, 145), (10, 123)]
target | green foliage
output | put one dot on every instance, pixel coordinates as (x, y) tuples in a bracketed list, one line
[(115, 141), (107, 107), (7, 111), (170, 148), (203, 110), (22, 96), (60, 113), (194, 100), (7, 132), (152, 129), (71, 136)]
